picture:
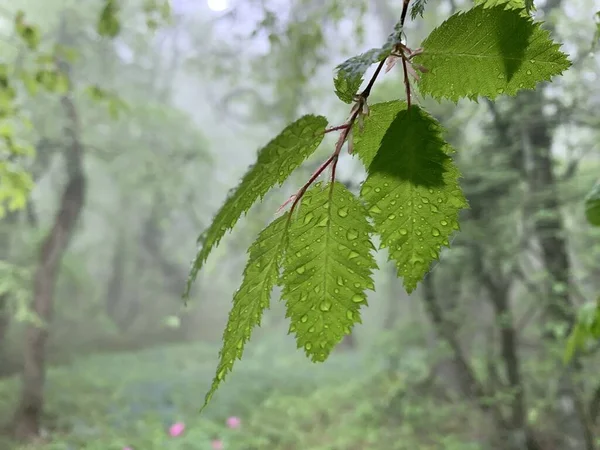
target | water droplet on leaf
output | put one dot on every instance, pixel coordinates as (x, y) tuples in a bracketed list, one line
[(356, 298), (351, 234)]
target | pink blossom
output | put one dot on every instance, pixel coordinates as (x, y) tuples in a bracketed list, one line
[(233, 422), (176, 429), (217, 444)]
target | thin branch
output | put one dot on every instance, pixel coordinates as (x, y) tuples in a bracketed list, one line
[(358, 108)]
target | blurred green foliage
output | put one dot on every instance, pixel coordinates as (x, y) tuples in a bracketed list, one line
[(117, 401)]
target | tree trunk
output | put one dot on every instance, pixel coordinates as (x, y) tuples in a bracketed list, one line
[(10, 221), (550, 233), (29, 410)]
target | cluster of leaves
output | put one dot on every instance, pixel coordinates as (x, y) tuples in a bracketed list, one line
[(41, 71), (320, 251), (109, 20)]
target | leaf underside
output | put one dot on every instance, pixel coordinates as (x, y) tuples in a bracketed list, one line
[(488, 52), (350, 73), (411, 191), (253, 296), (276, 161), (327, 268)]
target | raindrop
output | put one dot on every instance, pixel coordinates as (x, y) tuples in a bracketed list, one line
[(425, 200), (435, 232), (377, 189), (403, 231), (353, 255), (418, 232), (308, 346), (351, 234), (375, 210), (357, 298), (349, 315), (308, 218), (311, 330), (392, 216), (343, 212), (304, 318), (444, 223), (529, 72), (325, 305), (340, 281), (323, 222), (356, 285), (301, 270)]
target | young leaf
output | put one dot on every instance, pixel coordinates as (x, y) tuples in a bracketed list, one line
[(487, 52), (276, 161), (412, 191), (346, 88), (592, 206), (253, 296), (327, 268), (417, 9), (350, 73)]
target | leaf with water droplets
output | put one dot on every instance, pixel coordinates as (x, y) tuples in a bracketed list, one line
[(412, 191), (276, 161), (253, 296), (488, 51), (327, 269)]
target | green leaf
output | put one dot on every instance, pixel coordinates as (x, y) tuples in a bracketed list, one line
[(346, 88), (276, 161), (327, 268), (487, 52), (523, 5), (368, 140), (418, 7), (28, 33), (587, 327), (351, 72), (108, 22), (592, 205), (253, 296), (412, 190)]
